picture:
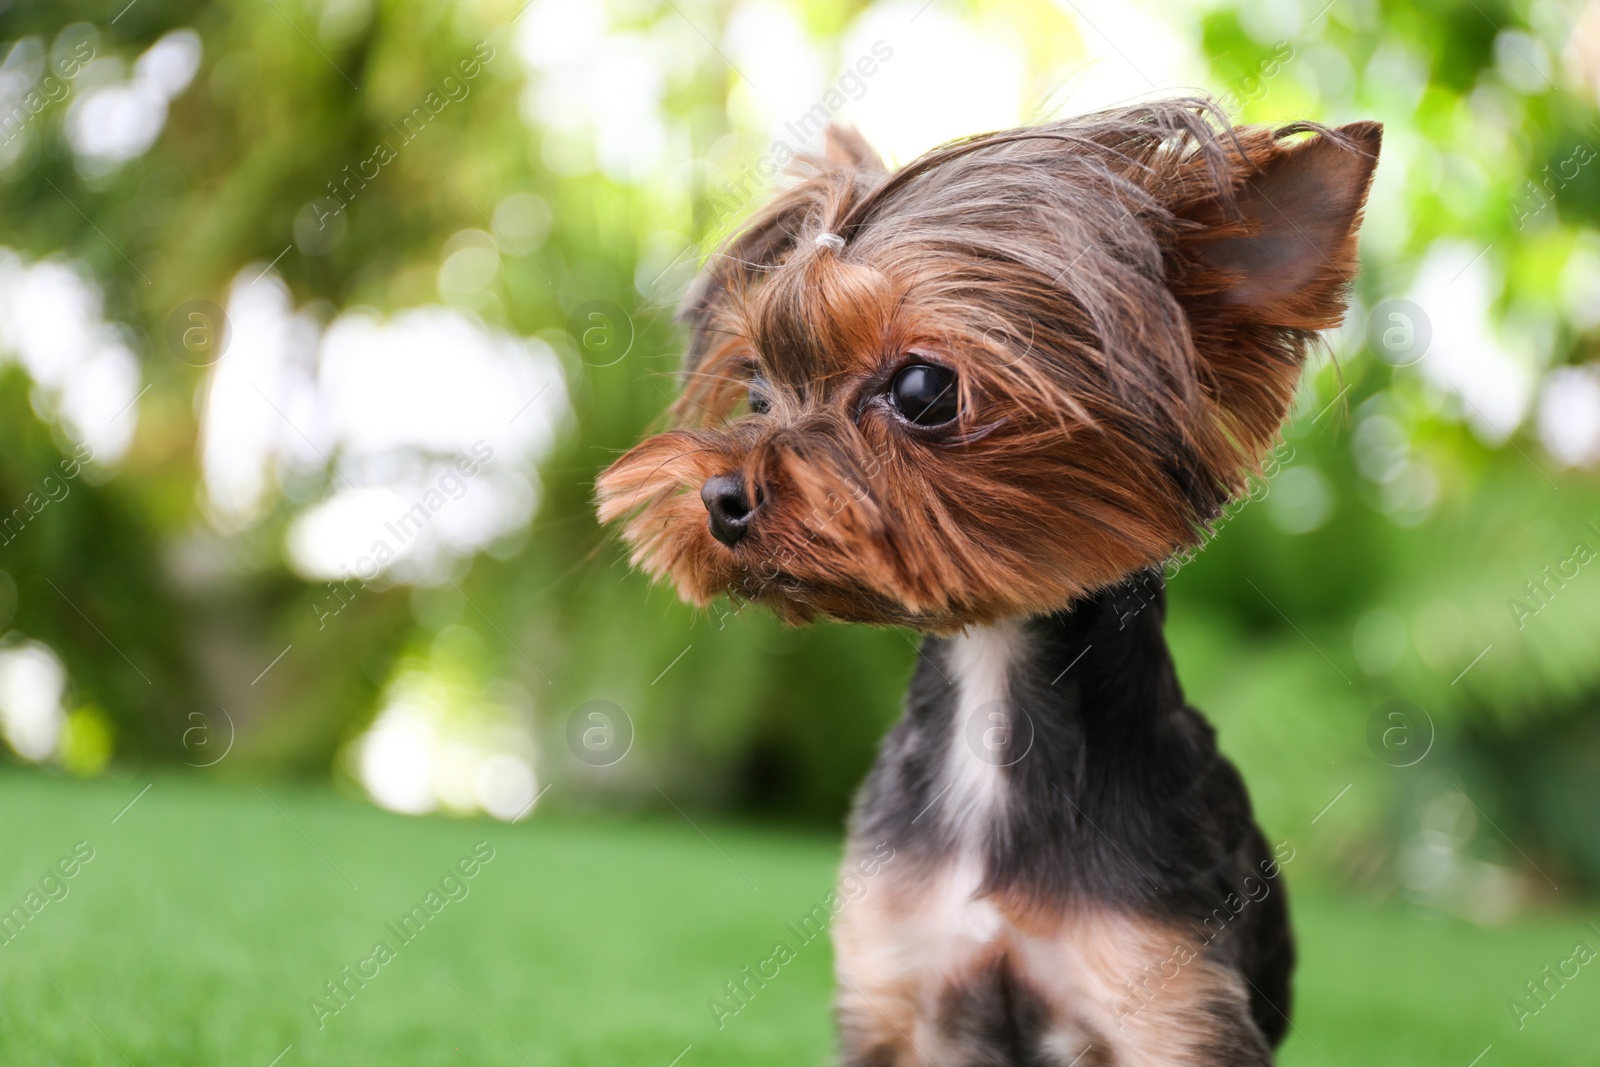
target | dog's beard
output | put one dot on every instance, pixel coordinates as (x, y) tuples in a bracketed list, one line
[(864, 531), (818, 548)]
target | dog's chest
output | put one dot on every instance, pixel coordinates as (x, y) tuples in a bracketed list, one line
[(936, 973), (935, 965), (981, 665), (995, 934)]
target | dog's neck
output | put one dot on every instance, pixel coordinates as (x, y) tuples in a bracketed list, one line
[(1101, 665), (1038, 746), (1107, 661)]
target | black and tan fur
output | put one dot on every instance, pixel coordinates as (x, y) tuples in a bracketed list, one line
[(1122, 303)]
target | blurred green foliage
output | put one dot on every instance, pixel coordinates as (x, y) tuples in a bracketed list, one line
[(1291, 633)]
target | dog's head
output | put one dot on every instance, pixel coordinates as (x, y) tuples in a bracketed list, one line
[(1006, 375)]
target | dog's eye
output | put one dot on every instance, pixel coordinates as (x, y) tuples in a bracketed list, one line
[(925, 394), (760, 403)]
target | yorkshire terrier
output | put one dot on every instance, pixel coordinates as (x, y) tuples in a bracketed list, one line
[(986, 396)]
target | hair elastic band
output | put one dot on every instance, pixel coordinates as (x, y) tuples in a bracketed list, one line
[(831, 240)]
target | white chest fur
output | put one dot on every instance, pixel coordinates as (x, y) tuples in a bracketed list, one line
[(927, 933), (980, 662)]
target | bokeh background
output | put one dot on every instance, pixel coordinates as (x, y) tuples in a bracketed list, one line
[(319, 317)]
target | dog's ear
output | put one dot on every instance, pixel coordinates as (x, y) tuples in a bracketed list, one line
[(1284, 248), (1264, 256), (846, 168), (843, 147)]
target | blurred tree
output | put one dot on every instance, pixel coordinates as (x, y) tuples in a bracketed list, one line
[(1421, 496)]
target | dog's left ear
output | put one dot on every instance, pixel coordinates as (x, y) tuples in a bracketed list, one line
[(1285, 247), (1264, 261)]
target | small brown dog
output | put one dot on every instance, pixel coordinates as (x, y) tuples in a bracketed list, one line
[(982, 397)]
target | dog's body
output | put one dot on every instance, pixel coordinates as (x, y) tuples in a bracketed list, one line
[(986, 395), (1077, 876)]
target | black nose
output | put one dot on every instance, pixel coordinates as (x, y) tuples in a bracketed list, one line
[(728, 503)]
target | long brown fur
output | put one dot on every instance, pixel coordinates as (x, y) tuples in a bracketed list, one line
[(1127, 298)]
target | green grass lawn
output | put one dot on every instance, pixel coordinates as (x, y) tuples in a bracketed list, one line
[(210, 917)]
